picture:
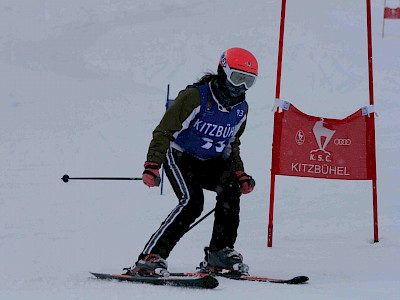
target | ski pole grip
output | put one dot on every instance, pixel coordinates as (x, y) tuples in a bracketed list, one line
[(252, 182)]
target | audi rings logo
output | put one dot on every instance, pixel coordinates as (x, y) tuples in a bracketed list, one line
[(342, 142)]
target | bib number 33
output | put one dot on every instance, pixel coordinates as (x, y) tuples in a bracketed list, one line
[(219, 146)]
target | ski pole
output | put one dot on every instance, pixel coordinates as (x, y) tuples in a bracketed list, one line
[(201, 219), (66, 178)]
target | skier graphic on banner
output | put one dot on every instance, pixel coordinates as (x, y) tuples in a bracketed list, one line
[(322, 135)]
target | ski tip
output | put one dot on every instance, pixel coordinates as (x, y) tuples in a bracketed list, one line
[(298, 280), (209, 282), (102, 275)]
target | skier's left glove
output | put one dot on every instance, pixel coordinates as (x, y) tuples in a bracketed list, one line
[(151, 175), (247, 183)]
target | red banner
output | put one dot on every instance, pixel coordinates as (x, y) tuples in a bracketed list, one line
[(309, 146), (392, 13)]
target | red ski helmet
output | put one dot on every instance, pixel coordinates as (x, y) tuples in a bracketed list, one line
[(240, 66)]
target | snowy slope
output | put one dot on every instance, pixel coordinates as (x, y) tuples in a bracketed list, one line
[(83, 84)]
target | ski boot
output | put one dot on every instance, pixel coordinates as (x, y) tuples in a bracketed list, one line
[(151, 265), (226, 261)]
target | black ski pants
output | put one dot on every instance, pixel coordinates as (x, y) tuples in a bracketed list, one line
[(188, 177)]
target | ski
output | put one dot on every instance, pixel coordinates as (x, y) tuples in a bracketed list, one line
[(294, 280), (189, 281)]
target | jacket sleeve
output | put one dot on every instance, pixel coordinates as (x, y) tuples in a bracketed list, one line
[(179, 112)]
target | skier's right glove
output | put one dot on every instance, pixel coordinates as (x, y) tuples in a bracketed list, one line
[(151, 175)]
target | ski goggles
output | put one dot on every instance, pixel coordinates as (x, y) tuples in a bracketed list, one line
[(238, 78)]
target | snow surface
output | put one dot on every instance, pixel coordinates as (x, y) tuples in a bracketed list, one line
[(83, 84)]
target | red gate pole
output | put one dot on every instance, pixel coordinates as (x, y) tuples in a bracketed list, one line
[(383, 22), (277, 95), (371, 100)]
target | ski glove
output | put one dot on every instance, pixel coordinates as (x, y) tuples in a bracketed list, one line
[(151, 175), (247, 183)]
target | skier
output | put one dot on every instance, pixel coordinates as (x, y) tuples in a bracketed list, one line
[(198, 142)]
